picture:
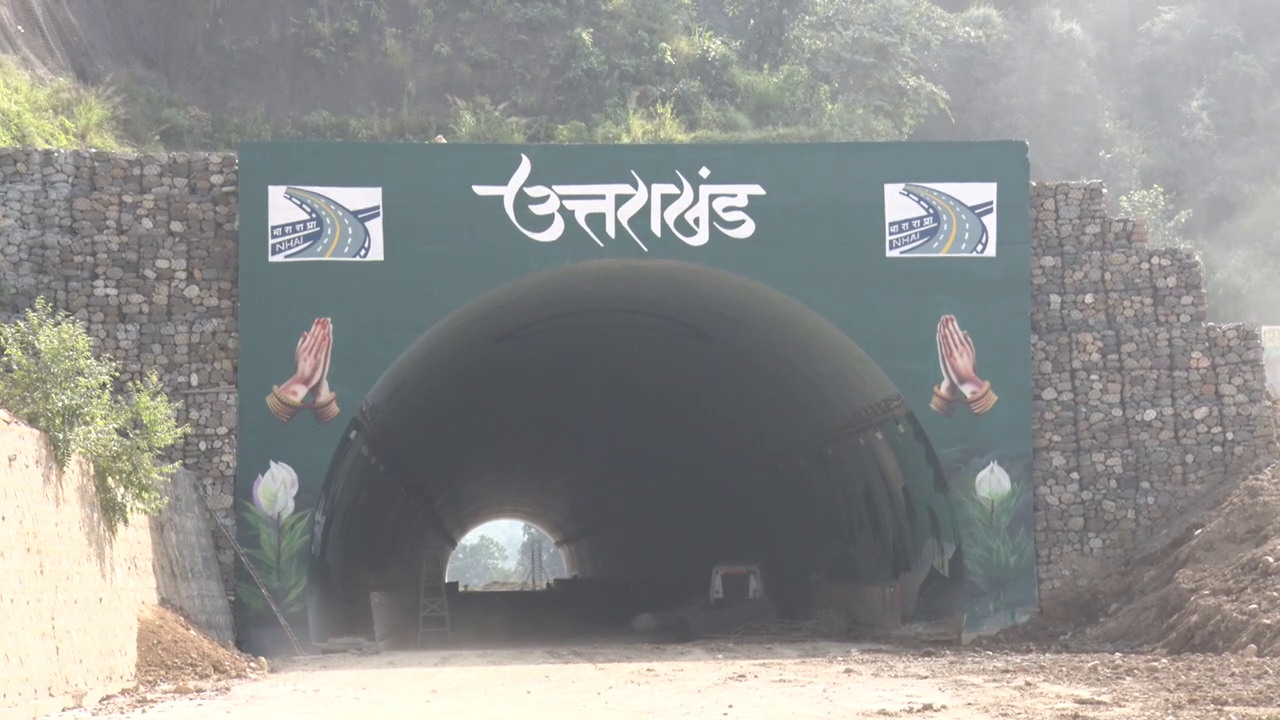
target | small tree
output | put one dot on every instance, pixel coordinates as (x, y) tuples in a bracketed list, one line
[(55, 382), (479, 562), (1153, 206)]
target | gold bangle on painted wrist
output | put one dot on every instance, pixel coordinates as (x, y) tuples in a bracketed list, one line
[(983, 400), (282, 407), (327, 409), (941, 403)]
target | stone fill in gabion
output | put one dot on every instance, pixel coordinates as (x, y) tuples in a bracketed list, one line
[(1139, 404)]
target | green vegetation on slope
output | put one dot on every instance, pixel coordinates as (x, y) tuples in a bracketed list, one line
[(551, 71), (40, 112)]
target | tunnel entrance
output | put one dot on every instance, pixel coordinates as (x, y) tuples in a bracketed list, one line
[(656, 418)]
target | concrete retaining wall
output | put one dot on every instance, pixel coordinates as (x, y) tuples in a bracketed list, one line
[(1141, 405), (188, 573), (70, 594)]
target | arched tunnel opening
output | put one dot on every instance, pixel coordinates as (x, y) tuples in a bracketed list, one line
[(505, 554), (656, 419)]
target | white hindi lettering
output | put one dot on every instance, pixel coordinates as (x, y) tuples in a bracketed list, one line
[(719, 206)]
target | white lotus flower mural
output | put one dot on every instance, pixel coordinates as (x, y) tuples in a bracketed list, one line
[(274, 490), (276, 541), (992, 484)]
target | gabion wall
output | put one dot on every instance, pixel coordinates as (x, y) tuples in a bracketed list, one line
[(1140, 405), (143, 249)]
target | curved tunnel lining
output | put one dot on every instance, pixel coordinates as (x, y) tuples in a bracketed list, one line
[(655, 418)]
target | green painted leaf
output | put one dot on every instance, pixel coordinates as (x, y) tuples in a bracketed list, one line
[(265, 560), (296, 593), (256, 519), (297, 535), (267, 545), (292, 573), (248, 593)]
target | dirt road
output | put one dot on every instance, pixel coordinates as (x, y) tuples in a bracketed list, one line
[(754, 681)]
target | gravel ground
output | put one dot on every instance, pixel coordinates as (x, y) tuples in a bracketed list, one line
[(745, 680), (1197, 606)]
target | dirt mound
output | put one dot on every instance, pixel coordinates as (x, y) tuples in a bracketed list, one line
[(1210, 584), (172, 651)]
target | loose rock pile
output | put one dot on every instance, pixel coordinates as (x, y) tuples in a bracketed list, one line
[(1218, 588), (172, 652), (1206, 583), (174, 659)]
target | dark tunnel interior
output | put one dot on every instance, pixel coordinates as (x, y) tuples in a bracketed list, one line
[(655, 418)]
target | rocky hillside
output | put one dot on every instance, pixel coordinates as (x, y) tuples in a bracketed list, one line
[(66, 38)]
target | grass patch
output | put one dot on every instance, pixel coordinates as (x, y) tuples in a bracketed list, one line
[(54, 113)]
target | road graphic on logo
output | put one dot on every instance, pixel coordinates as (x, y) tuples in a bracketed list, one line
[(937, 219), (324, 223)]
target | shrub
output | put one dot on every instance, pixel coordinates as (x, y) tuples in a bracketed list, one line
[(55, 382)]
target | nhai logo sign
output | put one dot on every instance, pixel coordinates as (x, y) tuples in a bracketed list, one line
[(940, 219), (324, 223)]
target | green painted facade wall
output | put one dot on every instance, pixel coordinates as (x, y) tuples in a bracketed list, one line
[(388, 239)]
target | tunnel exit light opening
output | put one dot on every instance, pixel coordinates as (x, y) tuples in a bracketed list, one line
[(505, 554)]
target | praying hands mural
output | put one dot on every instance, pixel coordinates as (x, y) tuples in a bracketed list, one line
[(310, 377), (960, 381)]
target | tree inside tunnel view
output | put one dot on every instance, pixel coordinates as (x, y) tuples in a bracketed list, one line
[(477, 562), (505, 555)]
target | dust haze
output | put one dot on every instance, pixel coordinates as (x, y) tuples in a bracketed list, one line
[(1173, 103)]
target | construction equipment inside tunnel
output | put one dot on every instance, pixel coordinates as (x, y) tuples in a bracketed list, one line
[(736, 385)]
